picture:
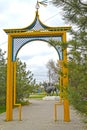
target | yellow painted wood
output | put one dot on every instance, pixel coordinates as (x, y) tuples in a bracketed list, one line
[(12, 81), (55, 112), (37, 33), (55, 109), (9, 82), (15, 104), (60, 89), (66, 111), (65, 84), (60, 63)]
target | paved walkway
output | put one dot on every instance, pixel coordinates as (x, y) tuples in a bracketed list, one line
[(39, 116)]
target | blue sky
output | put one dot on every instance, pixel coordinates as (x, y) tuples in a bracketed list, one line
[(21, 13)]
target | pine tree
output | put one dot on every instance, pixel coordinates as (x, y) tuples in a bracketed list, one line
[(25, 81), (75, 13), (2, 78)]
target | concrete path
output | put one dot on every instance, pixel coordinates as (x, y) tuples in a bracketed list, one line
[(39, 116)]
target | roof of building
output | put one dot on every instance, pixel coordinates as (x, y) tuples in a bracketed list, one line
[(37, 25)]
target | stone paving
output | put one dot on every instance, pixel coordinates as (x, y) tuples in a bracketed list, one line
[(39, 116)]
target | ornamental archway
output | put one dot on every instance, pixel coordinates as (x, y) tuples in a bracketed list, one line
[(18, 38)]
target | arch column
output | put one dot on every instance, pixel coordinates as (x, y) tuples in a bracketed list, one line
[(65, 83), (9, 94)]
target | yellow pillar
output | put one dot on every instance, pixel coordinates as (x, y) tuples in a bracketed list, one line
[(9, 90), (61, 87), (65, 83), (14, 82), (61, 79)]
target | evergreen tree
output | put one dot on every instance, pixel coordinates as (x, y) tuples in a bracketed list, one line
[(25, 81), (2, 78), (75, 13)]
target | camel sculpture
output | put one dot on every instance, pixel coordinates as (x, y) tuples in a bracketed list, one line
[(50, 89)]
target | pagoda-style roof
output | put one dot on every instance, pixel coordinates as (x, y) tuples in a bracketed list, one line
[(37, 25)]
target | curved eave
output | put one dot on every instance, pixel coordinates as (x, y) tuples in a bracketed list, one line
[(31, 26), (67, 28)]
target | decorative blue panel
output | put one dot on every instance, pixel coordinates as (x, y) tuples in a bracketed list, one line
[(18, 42), (37, 26), (59, 51)]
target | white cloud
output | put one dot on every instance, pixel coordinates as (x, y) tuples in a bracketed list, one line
[(37, 53), (35, 48), (37, 56)]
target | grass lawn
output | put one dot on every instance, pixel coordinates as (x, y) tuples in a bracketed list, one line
[(2, 109), (37, 95)]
